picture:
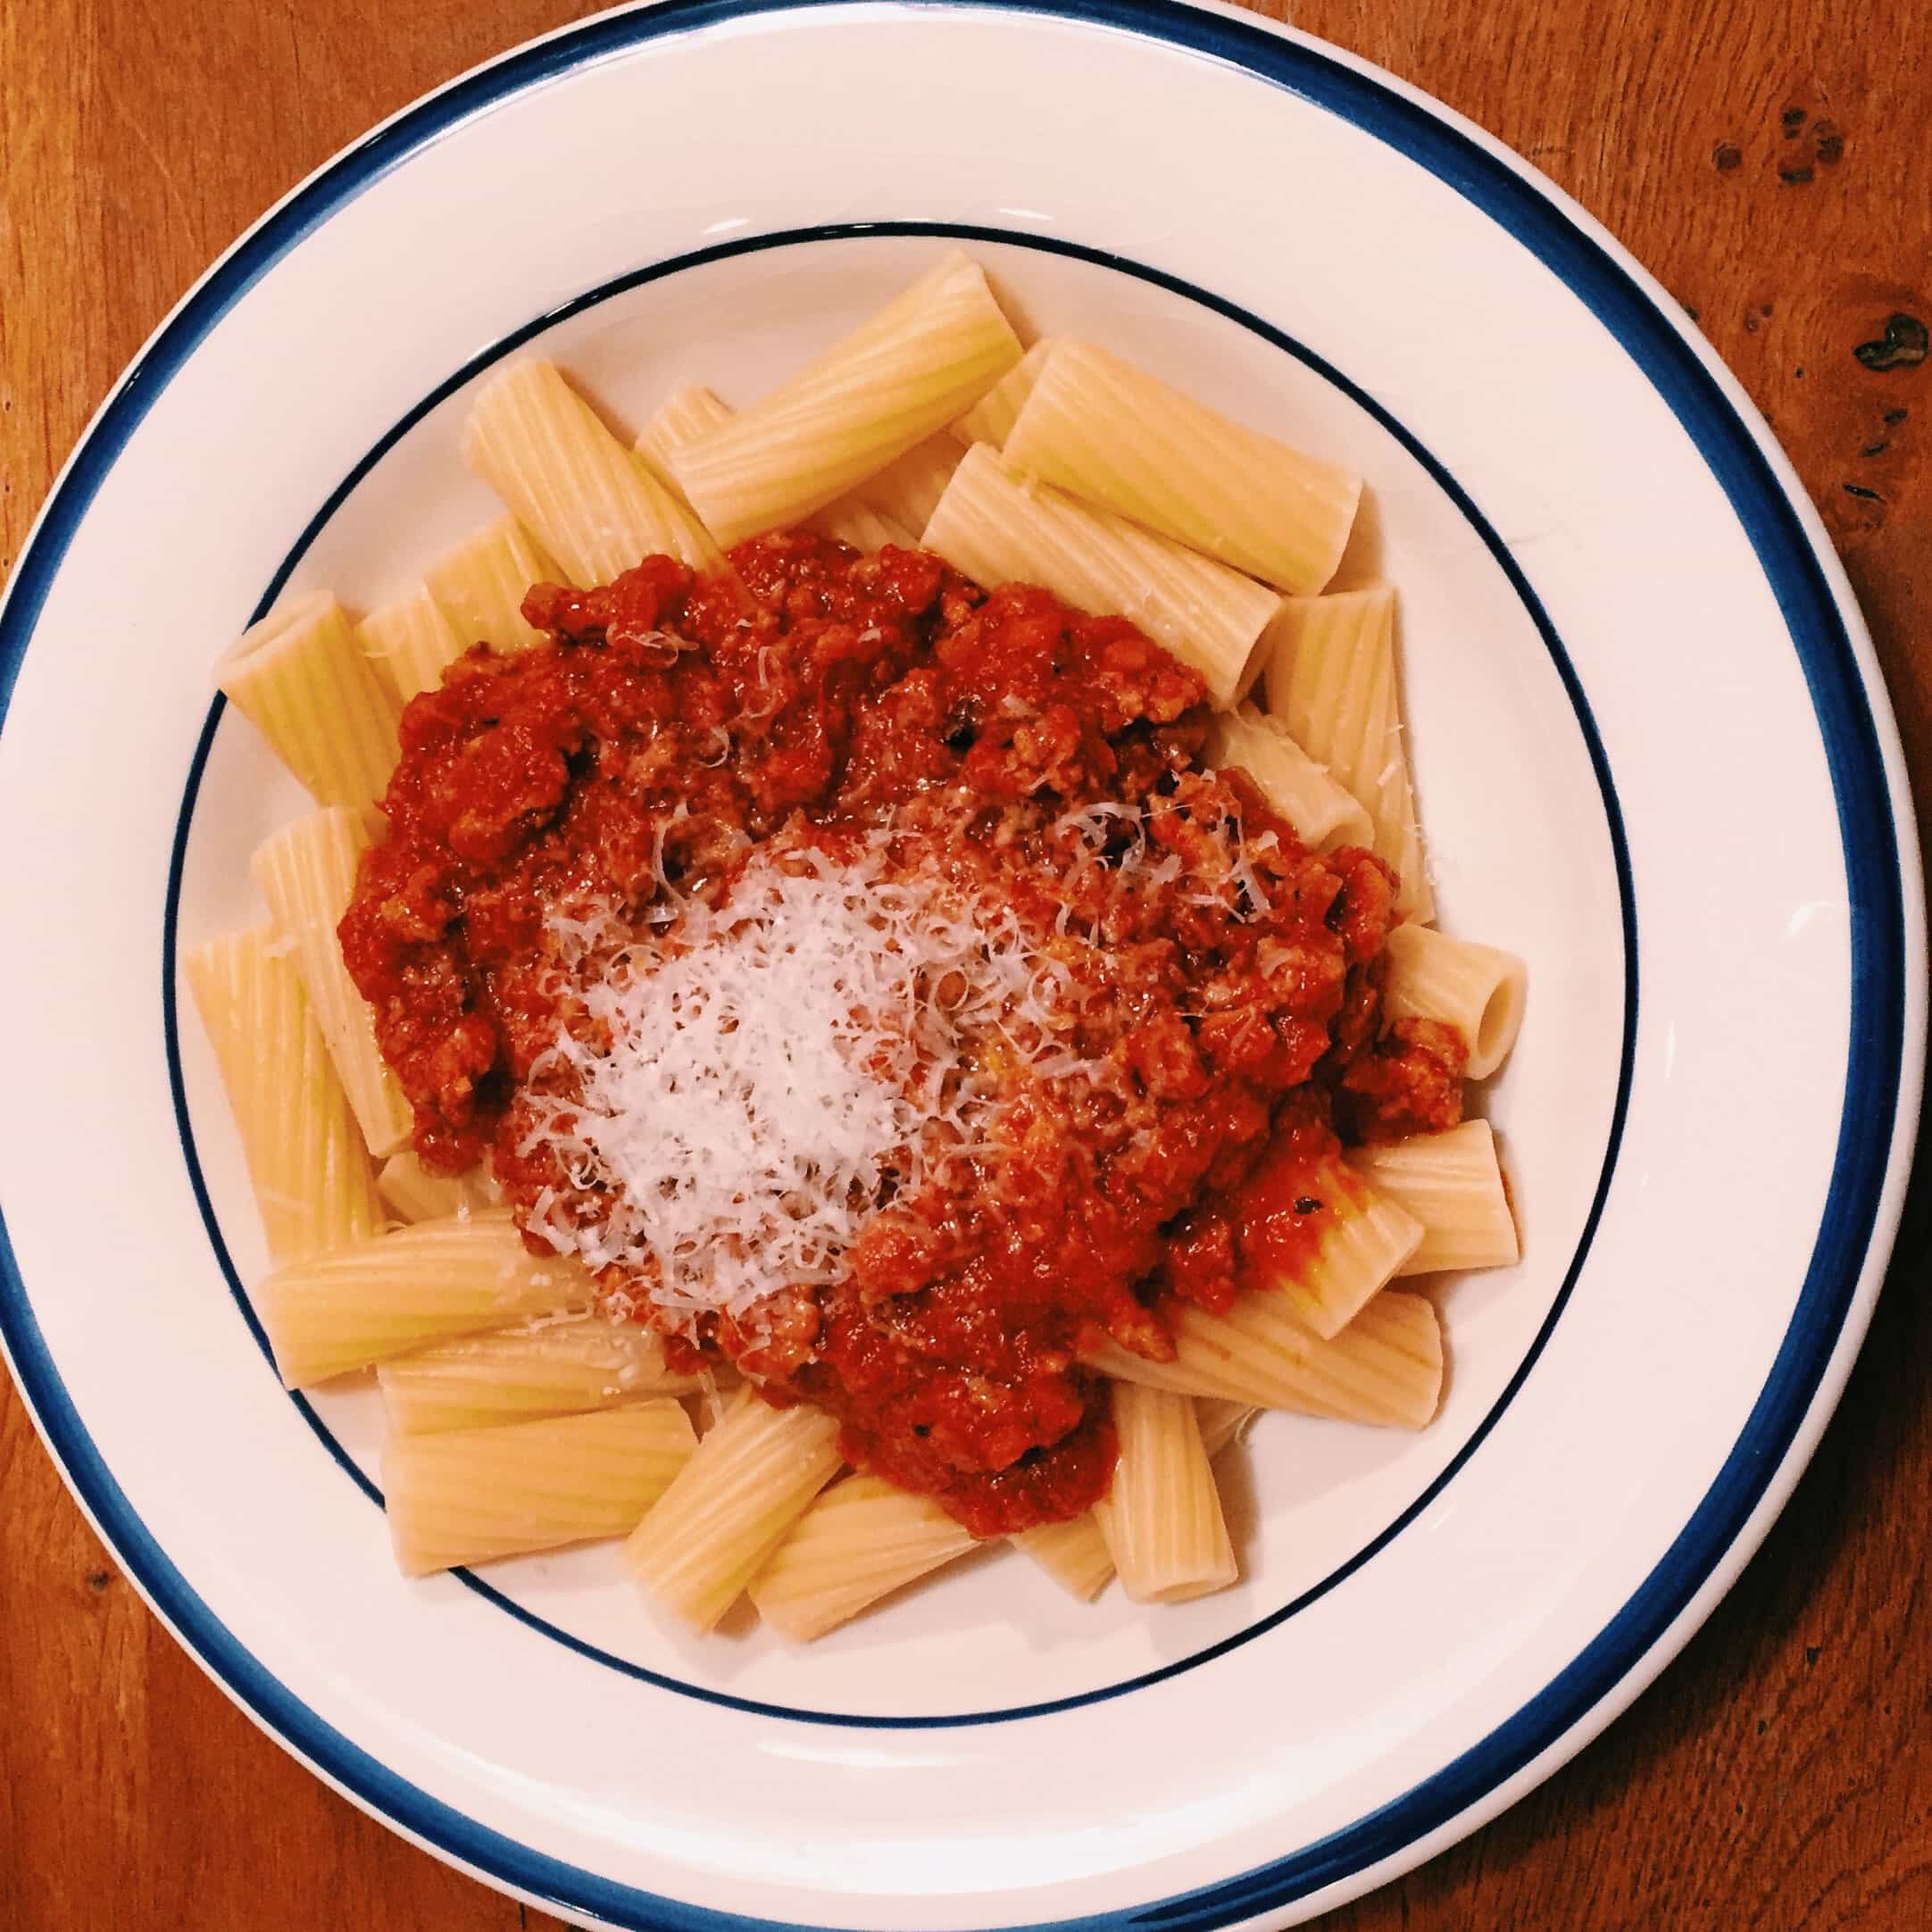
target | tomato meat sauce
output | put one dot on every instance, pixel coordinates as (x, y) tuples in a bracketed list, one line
[(1204, 1028)]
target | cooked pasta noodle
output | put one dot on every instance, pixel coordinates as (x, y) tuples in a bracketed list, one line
[(997, 529), (861, 1540), (299, 679), (1451, 1183), (306, 1160), (1098, 427), (472, 1495), (906, 373)]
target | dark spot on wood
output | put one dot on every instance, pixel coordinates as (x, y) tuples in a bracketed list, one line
[(1811, 1653), (1874, 449), (1795, 176), (98, 1580), (1903, 346), (1894, 417), (1752, 325), (1799, 372), (1765, 308), (1726, 155), (523, 1918), (1792, 120), (1307, 1204), (1764, 1726), (1859, 490), (1691, 312), (1828, 142)]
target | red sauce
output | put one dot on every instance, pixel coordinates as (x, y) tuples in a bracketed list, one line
[(670, 725)]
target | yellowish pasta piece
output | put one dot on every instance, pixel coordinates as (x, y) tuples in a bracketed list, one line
[(1325, 814), (411, 1193), (1480, 990), (907, 491), (306, 871), (1384, 1367), (693, 414), (472, 1495), (1364, 1241), (753, 1476), (482, 582), (856, 523), (594, 504), (1074, 1554), (299, 679), (684, 418), (512, 1375), (409, 641), (1452, 1184), (992, 418), (861, 1539), (344, 1309), (306, 1161), (997, 529), (1097, 426), (1162, 1515), (1330, 678), (921, 361), (1221, 1422)]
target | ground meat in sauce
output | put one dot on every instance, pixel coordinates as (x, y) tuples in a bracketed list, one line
[(669, 725)]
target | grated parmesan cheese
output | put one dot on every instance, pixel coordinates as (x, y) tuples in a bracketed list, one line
[(778, 1067)]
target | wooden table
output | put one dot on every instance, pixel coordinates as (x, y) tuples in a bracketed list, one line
[(1770, 162)]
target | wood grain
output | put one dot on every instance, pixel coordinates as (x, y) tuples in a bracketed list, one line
[(1770, 164)]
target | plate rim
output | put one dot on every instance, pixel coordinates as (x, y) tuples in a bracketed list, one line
[(1878, 839)]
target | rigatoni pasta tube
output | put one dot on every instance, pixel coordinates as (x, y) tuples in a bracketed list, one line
[(1111, 433), (475, 1495), (481, 583), (1478, 990), (1329, 675), (1362, 1243), (858, 524), (992, 418), (411, 1193), (752, 1479), (1074, 1554), (923, 359), (1326, 813), (511, 1375), (1162, 1515), (1451, 1182), (854, 519), (409, 641), (997, 529), (306, 1161), (1384, 1367), (907, 490), (332, 1312), (683, 418), (861, 1539), (306, 871), (592, 502), (298, 677)]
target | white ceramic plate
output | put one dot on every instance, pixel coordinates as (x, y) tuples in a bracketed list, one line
[(1654, 758)]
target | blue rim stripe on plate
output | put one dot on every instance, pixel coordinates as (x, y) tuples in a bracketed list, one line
[(1572, 689), (1869, 838)]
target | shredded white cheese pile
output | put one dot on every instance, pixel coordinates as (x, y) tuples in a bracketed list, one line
[(777, 1066)]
